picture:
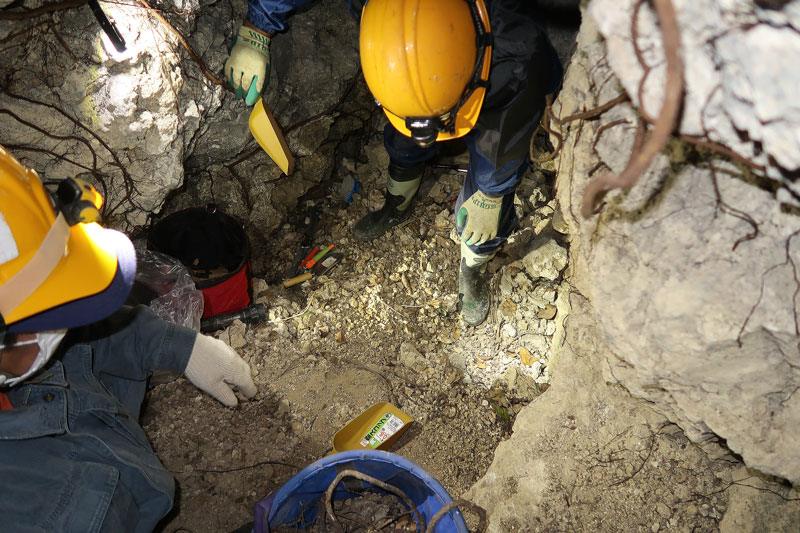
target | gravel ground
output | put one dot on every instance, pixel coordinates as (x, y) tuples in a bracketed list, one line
[(384, 325)]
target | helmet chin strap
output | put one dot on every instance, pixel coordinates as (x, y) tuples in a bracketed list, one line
[(54, 246)]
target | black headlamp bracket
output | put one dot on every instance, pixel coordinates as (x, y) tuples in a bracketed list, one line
[(484, 39), (78, 200)]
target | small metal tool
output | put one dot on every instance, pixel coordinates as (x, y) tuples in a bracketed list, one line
[(108, 26), (456, 168)]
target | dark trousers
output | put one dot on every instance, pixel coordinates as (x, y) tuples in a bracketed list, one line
[(482, 175)]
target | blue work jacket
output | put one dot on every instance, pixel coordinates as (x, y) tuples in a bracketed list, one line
[(73, 456)]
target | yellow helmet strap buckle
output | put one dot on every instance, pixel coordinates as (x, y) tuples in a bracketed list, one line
[(424, 130)]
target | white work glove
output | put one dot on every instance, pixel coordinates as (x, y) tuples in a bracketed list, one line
[(214, 368), (480, 217), (247, 67)]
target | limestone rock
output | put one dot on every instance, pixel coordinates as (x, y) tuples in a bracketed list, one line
[(535, 343), (519, 386), (691, 274), (545, 258), (123, 121), (582, 441), (411, 357), (737, 85), (137, 123)]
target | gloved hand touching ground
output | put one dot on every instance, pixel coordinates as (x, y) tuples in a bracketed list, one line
[(215, 368), (247, 67), (479, 215)]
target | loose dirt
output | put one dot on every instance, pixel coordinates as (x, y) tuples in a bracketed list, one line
[(383, 326)]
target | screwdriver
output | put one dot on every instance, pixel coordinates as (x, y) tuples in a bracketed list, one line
[(320, 255), (307, 259)]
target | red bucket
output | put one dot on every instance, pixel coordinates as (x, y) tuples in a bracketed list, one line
[(215, 249)]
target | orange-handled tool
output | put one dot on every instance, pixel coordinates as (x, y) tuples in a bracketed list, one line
[(322, 268), (308, 258), (316, 258)]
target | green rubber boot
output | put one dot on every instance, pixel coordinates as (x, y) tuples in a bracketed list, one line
[(400, 192), (473, 291)]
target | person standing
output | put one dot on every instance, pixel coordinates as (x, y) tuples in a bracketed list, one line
[(441, 70)]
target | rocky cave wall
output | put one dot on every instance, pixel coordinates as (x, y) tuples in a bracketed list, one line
[(138, 124), (681, 291), (693, 273)]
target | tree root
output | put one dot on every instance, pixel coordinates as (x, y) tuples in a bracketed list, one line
[(664, 124), (372, 481)]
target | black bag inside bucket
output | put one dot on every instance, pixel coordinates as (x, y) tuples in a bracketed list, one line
[(215, 249)]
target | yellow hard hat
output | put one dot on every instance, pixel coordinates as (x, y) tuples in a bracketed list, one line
[(427, 64), (58, 268)]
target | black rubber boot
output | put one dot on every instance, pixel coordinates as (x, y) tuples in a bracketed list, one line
[(400, 192), (473, 292)]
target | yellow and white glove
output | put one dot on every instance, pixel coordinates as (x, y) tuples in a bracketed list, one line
[(215, 368), (247, 67), (479, 215)]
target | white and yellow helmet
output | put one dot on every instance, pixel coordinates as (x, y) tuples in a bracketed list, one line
[(58, 267)]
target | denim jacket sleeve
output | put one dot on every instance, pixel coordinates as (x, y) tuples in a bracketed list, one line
[(135, 342), (270, 15)]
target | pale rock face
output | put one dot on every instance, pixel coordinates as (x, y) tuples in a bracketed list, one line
[(739, 89), (693, 275), (114, 118), (138, 123), (671, 293)]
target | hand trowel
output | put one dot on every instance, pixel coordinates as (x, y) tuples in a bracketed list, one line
[(268, 133)]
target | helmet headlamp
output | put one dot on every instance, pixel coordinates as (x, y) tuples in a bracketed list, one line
[(424, 131)]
